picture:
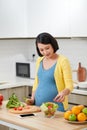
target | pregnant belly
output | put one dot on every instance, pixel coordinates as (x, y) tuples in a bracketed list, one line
[(45, 95)]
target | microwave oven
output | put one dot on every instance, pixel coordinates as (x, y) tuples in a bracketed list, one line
[(25, 69)]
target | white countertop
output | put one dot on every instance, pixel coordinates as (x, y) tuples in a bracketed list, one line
[(29, 82), (82, 92), (15, 83), (80, 88)]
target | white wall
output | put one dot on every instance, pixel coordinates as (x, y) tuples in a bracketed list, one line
[(10, 52), (22, 49), (76, 51)]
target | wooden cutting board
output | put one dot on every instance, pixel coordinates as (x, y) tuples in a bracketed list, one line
[(28, 109)]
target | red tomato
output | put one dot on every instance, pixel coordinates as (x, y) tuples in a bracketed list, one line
[(0, 103), (20, 108), (49, 107), (1, 97), (15, 108)]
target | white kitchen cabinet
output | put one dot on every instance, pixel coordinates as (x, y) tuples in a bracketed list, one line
[(62, 18), (48, 16), (13, 18), (78, 18), (28, 18)]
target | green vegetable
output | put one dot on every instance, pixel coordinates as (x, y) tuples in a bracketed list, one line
[(14, 102), (43, 107), (55, 106)]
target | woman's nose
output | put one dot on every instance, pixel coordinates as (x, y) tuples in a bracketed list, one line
[(45, 52)]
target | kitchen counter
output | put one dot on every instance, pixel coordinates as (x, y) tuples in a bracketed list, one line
[(17, 82), (29, 82), (38, 122), (79, 91)]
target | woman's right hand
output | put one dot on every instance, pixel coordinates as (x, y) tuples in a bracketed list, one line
[(29, 101)]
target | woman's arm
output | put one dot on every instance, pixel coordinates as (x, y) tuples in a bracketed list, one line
[(32, 97)]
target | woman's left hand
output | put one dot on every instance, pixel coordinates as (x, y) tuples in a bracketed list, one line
[(60, 97)]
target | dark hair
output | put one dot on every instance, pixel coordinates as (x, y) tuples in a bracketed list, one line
[(46, 38)]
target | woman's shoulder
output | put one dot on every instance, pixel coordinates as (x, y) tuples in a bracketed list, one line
[(63, 60), (39, 59), (62, 57)]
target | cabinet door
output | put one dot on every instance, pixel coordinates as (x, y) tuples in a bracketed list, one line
[(19, 91), (78, 18), (4, 92), (2, 127), (48, 16), (77, 99), (13, 18)]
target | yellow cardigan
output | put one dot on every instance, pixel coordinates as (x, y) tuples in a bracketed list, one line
[(62, 75)]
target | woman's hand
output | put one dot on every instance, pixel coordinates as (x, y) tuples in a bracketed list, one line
[(59, 98), (29, 101)]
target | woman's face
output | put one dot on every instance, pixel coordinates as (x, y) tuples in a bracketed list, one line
[(46, 50)]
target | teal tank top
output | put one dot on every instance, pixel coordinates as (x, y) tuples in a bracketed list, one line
[(46, 89)]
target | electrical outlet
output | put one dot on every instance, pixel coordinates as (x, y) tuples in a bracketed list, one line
[(33, 57)]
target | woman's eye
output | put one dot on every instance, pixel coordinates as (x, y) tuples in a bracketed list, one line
[(47, 48), (41, 50)]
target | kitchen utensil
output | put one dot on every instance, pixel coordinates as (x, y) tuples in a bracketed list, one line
[(31, 109)]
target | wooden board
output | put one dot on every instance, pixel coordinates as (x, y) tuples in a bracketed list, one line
[(30, 109)]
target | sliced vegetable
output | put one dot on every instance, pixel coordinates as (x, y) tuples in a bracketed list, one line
[(20, 108)]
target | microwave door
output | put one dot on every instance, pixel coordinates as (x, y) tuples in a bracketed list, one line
[(22, 69)]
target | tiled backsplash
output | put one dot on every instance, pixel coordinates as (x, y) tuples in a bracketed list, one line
[(22, 49)]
